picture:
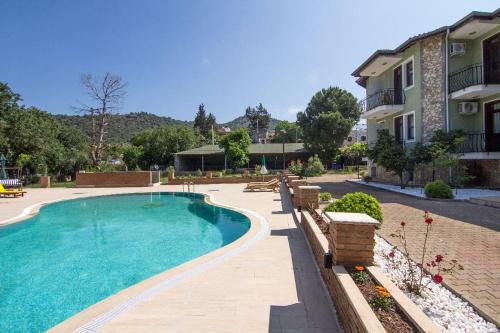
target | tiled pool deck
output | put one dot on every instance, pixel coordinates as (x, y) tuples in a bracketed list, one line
[(256, 284)]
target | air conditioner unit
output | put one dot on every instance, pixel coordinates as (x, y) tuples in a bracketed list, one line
[(466, 108), (457, 49)]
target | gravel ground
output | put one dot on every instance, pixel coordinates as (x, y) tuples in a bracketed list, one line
[(448, 311), (461, 194)]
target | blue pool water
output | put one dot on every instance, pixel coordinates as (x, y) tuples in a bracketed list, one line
[(77, 252)]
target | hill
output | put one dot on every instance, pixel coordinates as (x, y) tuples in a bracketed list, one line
[(243, 122), (123, 126)]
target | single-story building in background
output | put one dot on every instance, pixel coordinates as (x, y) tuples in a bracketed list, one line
[(211, 157)]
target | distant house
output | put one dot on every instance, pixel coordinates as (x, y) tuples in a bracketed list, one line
[(223, 130), (446, 79), (211, 157), (356, 135)]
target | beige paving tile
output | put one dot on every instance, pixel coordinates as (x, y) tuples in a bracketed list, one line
[(271, 287)]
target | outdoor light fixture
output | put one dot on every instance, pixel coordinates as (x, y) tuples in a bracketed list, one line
[(327, 259)]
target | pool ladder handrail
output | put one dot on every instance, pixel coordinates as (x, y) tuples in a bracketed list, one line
[(188, 184)]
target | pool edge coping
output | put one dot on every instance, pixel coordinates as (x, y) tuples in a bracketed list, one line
[(97, 315)]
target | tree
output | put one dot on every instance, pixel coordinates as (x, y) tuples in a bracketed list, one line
[(204, 124), (132, 156), (159, 145), (200, 119), (107, 96), (287, 132), (391, 154), (258, 120), (327, 121), (354, 153), (37, 142), (236, 146)]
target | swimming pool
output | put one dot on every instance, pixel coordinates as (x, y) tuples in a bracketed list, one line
[(75, 253)]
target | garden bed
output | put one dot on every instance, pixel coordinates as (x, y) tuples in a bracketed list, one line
[(460, 194), (391, 317), (445, 309)]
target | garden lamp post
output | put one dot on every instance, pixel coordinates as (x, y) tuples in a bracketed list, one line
[(3, 162)]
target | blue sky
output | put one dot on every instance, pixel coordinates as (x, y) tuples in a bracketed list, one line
[(226, 54)]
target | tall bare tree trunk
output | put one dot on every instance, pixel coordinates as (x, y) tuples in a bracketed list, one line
[(108, 94)]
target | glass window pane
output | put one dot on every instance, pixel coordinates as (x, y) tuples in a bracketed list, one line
[(409, 73), (410, 127), (496, 123)]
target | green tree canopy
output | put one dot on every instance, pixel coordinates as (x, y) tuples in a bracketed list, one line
[(159, 145), (355, 152), (36, 141), (204, 124), (287, 132), (236, 145), (327, 121), (392, 155), (258, 117)]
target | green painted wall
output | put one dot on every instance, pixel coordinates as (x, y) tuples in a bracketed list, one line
[(413, 95), (472, 123), (473, 51), (473, 55)]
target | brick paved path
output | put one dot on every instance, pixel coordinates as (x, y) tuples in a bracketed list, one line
[(466, 232)]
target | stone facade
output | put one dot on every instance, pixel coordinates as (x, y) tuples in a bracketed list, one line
[(485, 172), (433, 93)]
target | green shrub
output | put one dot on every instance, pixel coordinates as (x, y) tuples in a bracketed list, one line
[(325, 196), (358, 202), (314, 167), (367, 178), (438, 189), (198, 173), (296, 167)]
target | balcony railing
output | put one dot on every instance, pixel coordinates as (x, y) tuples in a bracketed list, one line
[(473, 143), (469, 76), (382, 97)]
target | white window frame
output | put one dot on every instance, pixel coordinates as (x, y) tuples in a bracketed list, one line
[(405, 126), (394, 126), (403, 72)]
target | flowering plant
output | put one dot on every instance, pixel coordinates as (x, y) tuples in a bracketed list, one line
[(360, 276), (413, 279), (383, 300)]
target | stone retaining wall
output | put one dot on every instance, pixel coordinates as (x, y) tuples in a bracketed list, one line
[(353, 311)]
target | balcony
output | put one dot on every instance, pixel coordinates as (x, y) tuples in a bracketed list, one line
[(469, 83), (479, 146), (382, 104), (473, 143)]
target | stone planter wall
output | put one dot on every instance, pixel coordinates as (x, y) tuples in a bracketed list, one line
[(355, 314)]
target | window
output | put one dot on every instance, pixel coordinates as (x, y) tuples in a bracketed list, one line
[(363, 138), (398, 129), (408, 73), (410, 126), (349, 138)]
